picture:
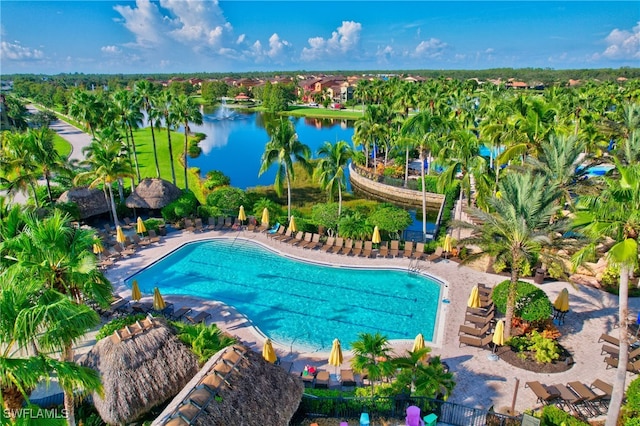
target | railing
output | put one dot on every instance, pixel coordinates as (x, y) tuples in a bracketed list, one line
[(387, 180), (395, 408)]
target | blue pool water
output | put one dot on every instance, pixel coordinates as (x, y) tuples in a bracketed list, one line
[(298, 303)]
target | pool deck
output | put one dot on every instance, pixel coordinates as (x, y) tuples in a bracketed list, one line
[(480, 382)]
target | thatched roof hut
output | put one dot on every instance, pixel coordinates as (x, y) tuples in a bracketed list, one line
[(236, 387), (140, 366), (153, 194), (90, 201)]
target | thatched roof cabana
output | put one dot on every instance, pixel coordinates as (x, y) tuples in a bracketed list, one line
[(141, 366), (236, 387), (90, 202), (153, 194)]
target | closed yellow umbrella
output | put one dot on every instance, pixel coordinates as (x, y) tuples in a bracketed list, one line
[(140, 228), (97, 247), (135, 291), (158, 301), (376, 236), (268, 353), (498, 334), (242, 216), (335, 357), (474, 298), (418, 343), (120, 235), (292, 224), (265, 217), (562, 301), (446, 246)]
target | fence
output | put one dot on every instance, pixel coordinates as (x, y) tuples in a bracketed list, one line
[(312, 407)]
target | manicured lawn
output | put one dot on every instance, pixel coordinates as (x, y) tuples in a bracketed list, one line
[(320, 112), (61, 145)]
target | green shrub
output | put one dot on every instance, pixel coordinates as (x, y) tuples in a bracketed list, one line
[(518, 343), (554, 416), (153, 224), (69, 208), (184, 206), (205, 212), (117, 324), (215, 179), (194, 151), (546, 349), (610, 278), (631, 410), (499, 266), (228, 199), (532, 304), (204, 340)]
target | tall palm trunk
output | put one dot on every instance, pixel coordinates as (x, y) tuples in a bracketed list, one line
[(173, 169), (406, 167), (47, 179), (424, 197), (286, 171), (135, 155), (339, 199), (511, 298), (623, 358), (155, 151), (184, 154), (113, 207), (35, 194), (69, 400)]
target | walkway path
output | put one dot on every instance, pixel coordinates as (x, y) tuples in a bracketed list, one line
[(480, 382)]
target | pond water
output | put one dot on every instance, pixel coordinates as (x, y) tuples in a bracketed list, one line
[(236, 140)]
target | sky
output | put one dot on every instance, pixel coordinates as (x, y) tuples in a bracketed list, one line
[(180, 36)]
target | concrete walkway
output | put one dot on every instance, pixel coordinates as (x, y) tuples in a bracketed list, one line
[(481, 383)]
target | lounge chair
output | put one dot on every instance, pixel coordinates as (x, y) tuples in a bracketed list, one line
[(347, 378), (481, 312), (383, 251), (278, 233), (228, 223), (315, 242), (474, 331), (394, 249), (251, 226), (108, 229), (322, 379), (632, 366), (435, 255), (219, 223), (418, 253), (177, 315), (337, 246), (142, 308), (306, 240), (280, 236), (408, 248), (569, 399), (357, 248), (367, 250), (478, 342), (287, 238), (153, 237), (479, 320), (348, 246), (127, 223), (188, 225), (297, 241), (273, 229), (198, 318), (545, 394), (139, 241), (591, 399), (604, 387), (211, 223), (328, 244), (198, 225)]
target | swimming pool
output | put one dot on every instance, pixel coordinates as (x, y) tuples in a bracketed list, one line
[(298, 303)]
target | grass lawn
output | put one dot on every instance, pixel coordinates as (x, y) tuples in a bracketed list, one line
[(61, 145), (320, 112)]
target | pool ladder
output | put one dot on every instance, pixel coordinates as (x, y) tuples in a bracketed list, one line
[(415, 266)]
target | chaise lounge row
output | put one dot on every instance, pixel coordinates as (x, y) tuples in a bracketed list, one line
[(575, 397)]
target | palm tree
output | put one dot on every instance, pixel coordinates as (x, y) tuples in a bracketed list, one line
[(329, 170), (284, 149), (355, 225), (185, 111), (44, 154), (127, 109), (19, 170), (371, 352), (147, 93), (423, 378), (107, 162), (165, 99), (522, 220), (87, 108), (614, 214)]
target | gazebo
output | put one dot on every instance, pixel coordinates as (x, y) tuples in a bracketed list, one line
[(153, 194), (90, 202), (141, 366)]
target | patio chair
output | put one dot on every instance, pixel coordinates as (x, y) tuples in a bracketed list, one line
[(394, 249), (211, 223), (383, 251), (219, 223), (304, 238), (347, 378), (297, 239), (337, 246), (605, 388), (228, 223), (177, 315), (474, 331), (481, 311), (252, 224), (545, 394), (108, 229), (479, 320), (478, 342), (436, 255), (287, 238), (127, 223), (632, 366), (408, 248), (570, 400), (328, 244), (591, 400), (315, 242), (278, 233), (367, 250), (153, 237), (418, 253), (198, 318), (198, 225), (188, 225), (357, 248), (139, 241), (348, 246), (281, 236), (322, 379)]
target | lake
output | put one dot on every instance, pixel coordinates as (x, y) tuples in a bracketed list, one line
[(236, 140)]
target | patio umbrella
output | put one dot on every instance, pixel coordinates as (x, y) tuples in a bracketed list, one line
[(268, 353), (498, 335), (446, 246), (335, 358), (474, 298), (140, 228), (418, 343), (292, 224), (265, 217), (135, 291), (241, 214), (158, 301), (120, 235), (97, 248), (562, 301), (376, 236)]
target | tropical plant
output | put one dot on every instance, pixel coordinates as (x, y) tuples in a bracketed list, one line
[(284, 149), (184, 110), (147, 93), (390, 218), (40, 146), (204, 340), (228, 199), (87, 108), (371, 353), (126, 110), (326, 216), (329, 170), (355, 225), (163, 107)]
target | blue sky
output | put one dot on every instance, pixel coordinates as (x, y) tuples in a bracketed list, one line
[(172, 36)]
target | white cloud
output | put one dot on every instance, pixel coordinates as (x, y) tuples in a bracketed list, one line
[(432, 49), (345, 40), (145, 22), (111, 50), (198, 21), (277, 51), (623, 44), (384, 54), (16, 52)]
